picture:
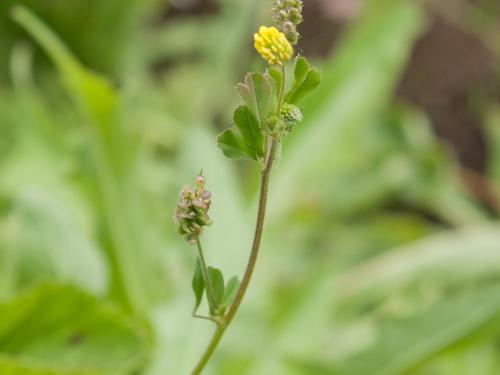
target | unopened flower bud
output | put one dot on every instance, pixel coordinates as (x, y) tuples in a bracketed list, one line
[(291, 115)]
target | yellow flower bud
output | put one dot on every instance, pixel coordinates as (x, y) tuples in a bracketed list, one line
[(273, 45)]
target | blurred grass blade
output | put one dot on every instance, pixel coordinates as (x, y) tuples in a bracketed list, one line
[(113, 158), (93, 92), (402, 344)]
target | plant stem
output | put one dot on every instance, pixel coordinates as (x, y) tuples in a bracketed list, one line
[(257, 238), (206, 277), (226, 320), (282, 89)]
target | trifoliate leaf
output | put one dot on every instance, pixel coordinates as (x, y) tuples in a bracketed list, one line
[(198, 285), (259, 94), (249, 129), (233, 145), (306, 80)]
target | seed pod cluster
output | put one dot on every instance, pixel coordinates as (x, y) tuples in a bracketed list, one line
[(288, 15), (191, 214)]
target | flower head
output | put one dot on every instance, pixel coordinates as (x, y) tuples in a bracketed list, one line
[(191, 214), (273, 45)]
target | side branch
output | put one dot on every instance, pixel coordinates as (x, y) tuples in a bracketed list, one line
[(233, 309)]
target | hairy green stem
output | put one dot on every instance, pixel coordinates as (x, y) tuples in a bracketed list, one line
[(228, 317), (206, 277)]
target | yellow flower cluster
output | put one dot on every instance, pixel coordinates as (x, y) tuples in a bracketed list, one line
[(273, 45)]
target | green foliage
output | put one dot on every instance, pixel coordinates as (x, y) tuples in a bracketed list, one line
[(260, 95), (259, 116), (98, 102), (198, 285), (306, 81), (230, 291), (354, 278), (249, 129), (233, 145), (426, 333), (217, 280), (55, 330), (250, 144)]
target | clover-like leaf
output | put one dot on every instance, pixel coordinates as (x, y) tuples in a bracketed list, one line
[(198, 285), (233, 145), (259, 94), (249, 129), (306, 80), (249, 144)]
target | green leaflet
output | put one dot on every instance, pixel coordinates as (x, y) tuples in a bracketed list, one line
[(306, 80), (233, 145), (248, 145), (217, 282), (259, 94), (249, 129), (198, 285), (54, 330), (230, 291), (276, 75)]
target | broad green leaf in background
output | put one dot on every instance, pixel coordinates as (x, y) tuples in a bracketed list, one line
[(57, 330)]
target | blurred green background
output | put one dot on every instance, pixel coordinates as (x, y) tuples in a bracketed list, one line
[(381, 253)]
